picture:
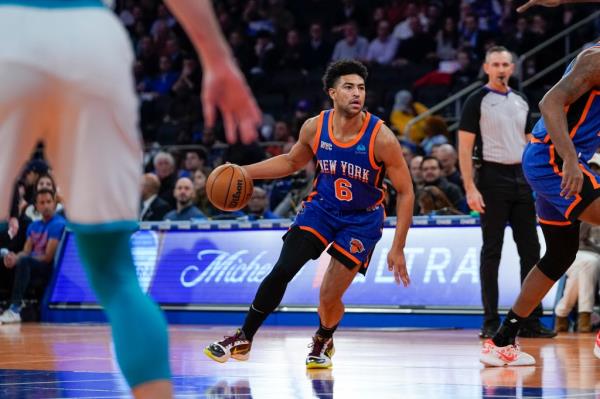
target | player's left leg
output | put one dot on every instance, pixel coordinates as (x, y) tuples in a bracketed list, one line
[(299, 246), (95, 149), (350, 251), (591, 214), (336, 281), (562, 243), (523, 222)]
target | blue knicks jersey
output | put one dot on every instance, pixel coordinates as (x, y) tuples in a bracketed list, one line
[(348, 176), (583, 119)]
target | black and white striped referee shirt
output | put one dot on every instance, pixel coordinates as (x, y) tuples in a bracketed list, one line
[(501, 122)]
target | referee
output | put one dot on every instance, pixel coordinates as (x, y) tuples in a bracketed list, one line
[(494, 129)]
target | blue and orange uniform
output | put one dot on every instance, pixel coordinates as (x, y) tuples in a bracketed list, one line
[(543, 166), (345, 208)]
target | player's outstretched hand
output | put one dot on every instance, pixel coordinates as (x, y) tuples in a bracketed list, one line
[(397, 264), (572, 179), (224, 87), (545, 3)]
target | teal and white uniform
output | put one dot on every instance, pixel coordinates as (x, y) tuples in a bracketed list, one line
[(65, 78)]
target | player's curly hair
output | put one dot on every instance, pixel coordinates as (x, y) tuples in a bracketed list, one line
[(340, 68)]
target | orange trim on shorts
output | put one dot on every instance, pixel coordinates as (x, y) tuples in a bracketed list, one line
[(573, 205), (315, 144), (586, 172), (347, 254), (588, 105), (536, 140), (315, 233), (355, 140), (372, 146), (553, 160), (547, 139), (559, 173), (554, 222)]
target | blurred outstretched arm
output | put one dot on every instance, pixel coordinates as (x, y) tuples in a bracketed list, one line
[(223, 85)]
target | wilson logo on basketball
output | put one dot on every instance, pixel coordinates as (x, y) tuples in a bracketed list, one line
[(356, 246), (229, 187), (235, 197)]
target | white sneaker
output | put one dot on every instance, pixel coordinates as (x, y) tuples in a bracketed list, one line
[(597, 346), (9, 316), (510, 355)]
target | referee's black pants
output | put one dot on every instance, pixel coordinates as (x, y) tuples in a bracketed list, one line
[(508, 199)]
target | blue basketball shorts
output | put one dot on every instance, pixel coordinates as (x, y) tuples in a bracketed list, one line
[(352, 234), (542, 167)]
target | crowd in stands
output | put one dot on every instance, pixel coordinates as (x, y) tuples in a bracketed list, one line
[(429, 48), (29, 245), (417, 53)]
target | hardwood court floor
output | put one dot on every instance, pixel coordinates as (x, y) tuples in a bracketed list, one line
[(43, 361)]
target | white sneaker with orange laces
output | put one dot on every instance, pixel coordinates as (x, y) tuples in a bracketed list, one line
[(597, 346), (498, 356)]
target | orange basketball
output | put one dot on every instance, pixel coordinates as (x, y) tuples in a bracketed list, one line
[(229, 187)]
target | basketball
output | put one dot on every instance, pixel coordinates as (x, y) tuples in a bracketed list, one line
[(229, 187)]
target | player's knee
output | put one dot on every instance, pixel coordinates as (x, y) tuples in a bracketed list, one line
[(562, 244), (554, 265), (282, 271)]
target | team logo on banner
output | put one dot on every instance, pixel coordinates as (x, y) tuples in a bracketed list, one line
[(356, 246)]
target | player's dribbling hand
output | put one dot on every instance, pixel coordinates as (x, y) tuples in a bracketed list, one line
[(224, 87), (545, 3), (397, 264), (572, 179)]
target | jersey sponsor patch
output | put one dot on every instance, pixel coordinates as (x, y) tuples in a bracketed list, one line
[(326, 146)]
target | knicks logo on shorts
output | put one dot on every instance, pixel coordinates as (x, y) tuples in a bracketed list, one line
[(356, 246)]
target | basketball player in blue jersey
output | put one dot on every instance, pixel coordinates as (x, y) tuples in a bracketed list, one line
[(65, 73), (354, 152), (567, 192)]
